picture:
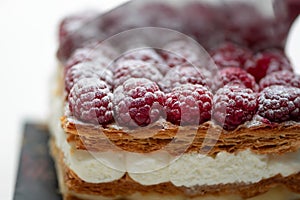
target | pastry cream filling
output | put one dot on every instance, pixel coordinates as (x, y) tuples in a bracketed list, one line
[(186, 170)]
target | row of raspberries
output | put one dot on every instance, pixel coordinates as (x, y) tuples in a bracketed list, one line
[(208, 23), (140, 87)]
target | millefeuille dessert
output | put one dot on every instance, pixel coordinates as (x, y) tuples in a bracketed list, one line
[(158, 123)]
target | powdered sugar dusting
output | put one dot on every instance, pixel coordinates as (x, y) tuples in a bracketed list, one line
[(75, 22), (280, 103), (136, 69), (182, 75), (87, 70), (180, 52), (147, 55), (90, 100), (138, 102), (100, 54)]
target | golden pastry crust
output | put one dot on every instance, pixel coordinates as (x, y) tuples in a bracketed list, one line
[(207, 138), (127, 186)]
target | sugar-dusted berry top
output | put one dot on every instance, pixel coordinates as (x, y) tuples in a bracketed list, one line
[(185, 74), (132, 92), (234, 105), (135, 69), (138, 87), (285, 78), (208, 23), (231, 55), (138, 102), (266, 62), (235, 75), (189, 104), (90, 100), (279, 103), (87, 70)]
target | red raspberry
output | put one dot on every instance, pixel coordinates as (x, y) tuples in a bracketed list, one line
[(284, 77), (182, 75), (100, 54), (234, 105), (116, 21), (148, 56), (87, 70), (73, 23), (267, 62), (138, 102), (180, 52), (189, 105), (149, 14), (230, 55), (279, 103), (237, 76), (157, 14), (201, 22), (135, 69), (91, 101), (244, 23), (76, 34)]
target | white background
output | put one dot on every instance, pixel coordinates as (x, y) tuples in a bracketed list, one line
[(28, 45)]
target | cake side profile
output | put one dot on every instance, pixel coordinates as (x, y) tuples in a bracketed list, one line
[(192, 175), (167, 123)]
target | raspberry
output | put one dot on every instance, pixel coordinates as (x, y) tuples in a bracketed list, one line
[(156, 14), (135, 69), (279, 103), (182, 75), (237, 76), (72, 23), (267, 62), (115, 21), (100, 54), (148, 56), (86, 33), (87, 70), (200, 22), (149, 14), (189, 105), (91, 101), (230, 55), (180, 52), (244, 23), (234, 105), (284, 77), (138, 102)]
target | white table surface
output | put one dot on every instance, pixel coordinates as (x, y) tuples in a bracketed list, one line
[(27, 61)]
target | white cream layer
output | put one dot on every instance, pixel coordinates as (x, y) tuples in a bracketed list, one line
[(187, 170)]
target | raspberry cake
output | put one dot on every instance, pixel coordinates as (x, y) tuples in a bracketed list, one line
[(154, 124)]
